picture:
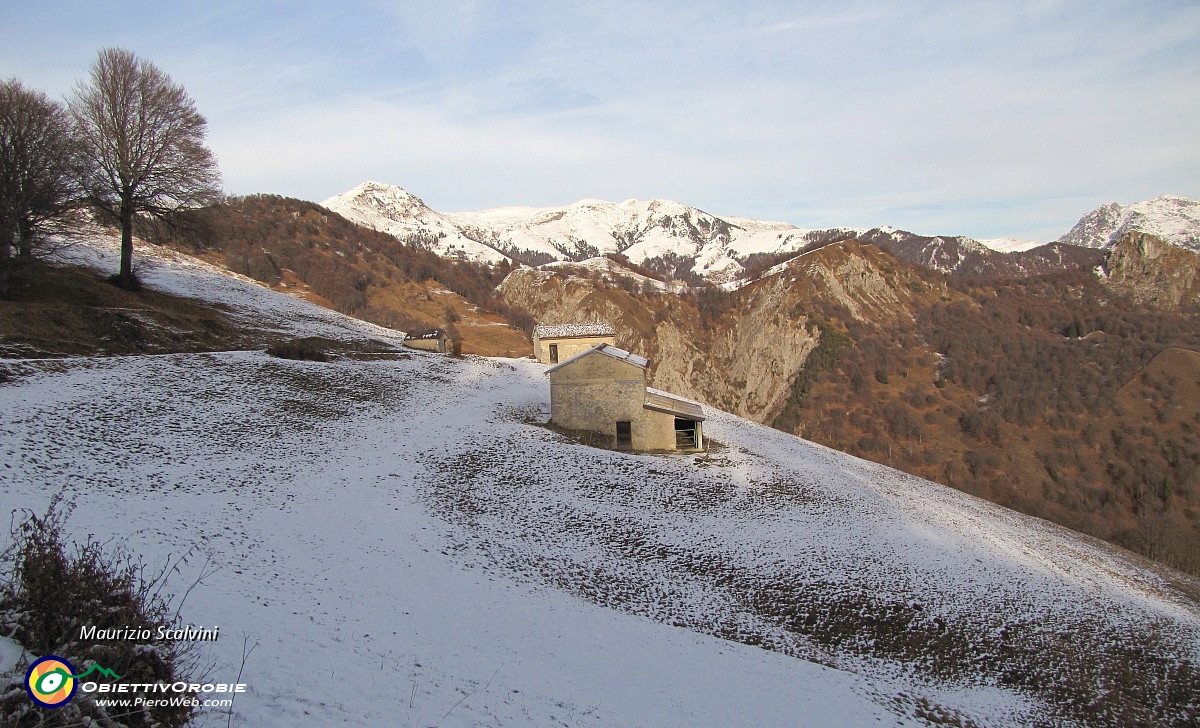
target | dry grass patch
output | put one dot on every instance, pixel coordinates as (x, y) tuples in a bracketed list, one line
[(57, 311)]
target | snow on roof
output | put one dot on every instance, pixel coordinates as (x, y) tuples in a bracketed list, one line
[(565, 331), (607, 350), (430, 334), (664, 393), (661, 401)]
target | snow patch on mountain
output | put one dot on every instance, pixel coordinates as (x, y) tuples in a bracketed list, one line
[(1008, 245), (247, 301)]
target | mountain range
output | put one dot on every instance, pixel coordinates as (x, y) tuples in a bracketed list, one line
[(674, 239)]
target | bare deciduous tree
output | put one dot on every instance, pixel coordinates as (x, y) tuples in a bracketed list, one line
[(144, 140), (38, 166)]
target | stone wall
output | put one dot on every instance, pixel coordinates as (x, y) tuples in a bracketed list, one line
[(438, 345), (596, 392)]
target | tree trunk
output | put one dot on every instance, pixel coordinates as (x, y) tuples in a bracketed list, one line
[(6, 258), (7, 238), (125, 277), (25, 233)]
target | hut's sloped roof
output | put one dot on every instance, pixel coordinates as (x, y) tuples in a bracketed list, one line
[(568, 331), (607, 350), (672, 404), (431, 334)]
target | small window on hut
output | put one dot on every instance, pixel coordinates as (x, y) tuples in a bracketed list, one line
[(554, 353), (624, 434)]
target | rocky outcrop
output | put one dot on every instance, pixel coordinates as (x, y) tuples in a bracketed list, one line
[(1153, 271), (743, 364), (745, 359)]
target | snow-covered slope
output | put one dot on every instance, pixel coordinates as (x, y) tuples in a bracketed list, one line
[(408, 546), (1009, 245), (310, 488), (1174, 219), (251, 303)]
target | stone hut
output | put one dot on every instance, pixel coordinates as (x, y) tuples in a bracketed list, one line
[(603, 390), (558, 342), (431, 340)]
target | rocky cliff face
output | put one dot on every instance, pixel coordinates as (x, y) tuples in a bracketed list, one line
[(744, 367), (744, 357), (1153, 271)]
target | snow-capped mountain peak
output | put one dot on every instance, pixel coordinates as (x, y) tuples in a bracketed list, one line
[(663, 233), (396, 211), (1009, 245), (384, 199), (639, 229), (1173, 218)]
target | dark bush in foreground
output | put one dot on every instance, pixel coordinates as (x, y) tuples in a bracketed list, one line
[(49, 591)]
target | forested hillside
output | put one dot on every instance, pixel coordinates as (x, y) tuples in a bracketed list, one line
[(1022, 392), (302, 248)]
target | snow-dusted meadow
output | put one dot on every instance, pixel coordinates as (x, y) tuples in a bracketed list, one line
[(408, 546), (305, 484)]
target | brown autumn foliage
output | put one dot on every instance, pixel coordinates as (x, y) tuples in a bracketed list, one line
[(1020, 391)]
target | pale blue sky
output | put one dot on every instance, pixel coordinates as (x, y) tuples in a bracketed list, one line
[(986, 119)]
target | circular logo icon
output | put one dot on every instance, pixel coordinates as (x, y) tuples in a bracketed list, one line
[(49, 682)]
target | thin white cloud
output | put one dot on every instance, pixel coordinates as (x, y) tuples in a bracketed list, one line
[(820, 20)]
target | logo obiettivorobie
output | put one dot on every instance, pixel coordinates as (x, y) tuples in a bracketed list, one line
[(51, 681)]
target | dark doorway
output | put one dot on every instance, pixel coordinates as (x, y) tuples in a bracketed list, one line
[(624, 434), (554, 353), (685, 433)]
